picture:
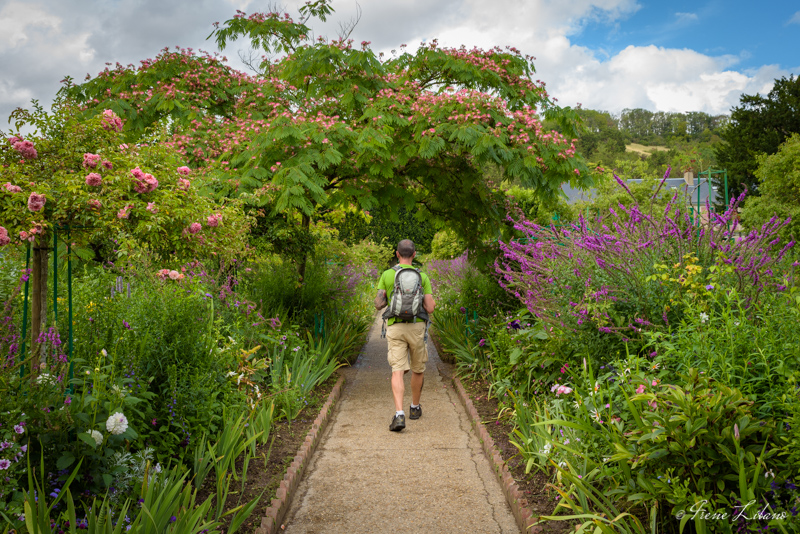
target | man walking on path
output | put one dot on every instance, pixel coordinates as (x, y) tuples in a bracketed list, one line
[(407, 347)]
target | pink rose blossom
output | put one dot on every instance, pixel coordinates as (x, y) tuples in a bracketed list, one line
[(93, 179), (174, 275), (12, 188), (195, 227), (184, 171), (36, 202), (94, 203), (184, 184), (151, 182), (90, 161), (145, 182), (4, 239), (107, 164), (151, 207), (14, 139), (111, 121), (213, 220), (26, 149)]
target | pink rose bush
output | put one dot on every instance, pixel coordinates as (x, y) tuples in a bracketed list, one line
[(213, 220), (4, 239), (12, 188), (143, 182), (90, 161), (111, 121), (166, 274), (184, 170), (184, 184), (36, 202), (26, 149), (195, 227), (93, 179)]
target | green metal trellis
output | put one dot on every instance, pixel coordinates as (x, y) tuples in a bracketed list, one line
[(70, 342)]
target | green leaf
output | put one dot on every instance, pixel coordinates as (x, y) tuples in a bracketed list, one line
[(66, 460), (88, 439)]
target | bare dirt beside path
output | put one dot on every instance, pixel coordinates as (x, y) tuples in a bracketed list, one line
[(431, 477)]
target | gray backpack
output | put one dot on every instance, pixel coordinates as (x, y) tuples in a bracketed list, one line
[(407, 295)]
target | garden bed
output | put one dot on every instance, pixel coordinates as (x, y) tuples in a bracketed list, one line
[(266, 478)]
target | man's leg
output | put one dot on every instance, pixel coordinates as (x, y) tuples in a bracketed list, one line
[(398, 389), (417, 380)]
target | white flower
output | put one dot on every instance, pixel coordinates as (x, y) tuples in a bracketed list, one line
[(595, 389), (769, 473), (117, 424), (595, 414), (104, 352), (703, 317), (45, 378), (97, 437), (157, 468), (231, 373), (547, 448)]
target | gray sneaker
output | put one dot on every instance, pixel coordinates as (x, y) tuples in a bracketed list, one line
[(415, 413), (398, 423)]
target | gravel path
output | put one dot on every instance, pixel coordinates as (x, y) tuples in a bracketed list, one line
[(430, 478)]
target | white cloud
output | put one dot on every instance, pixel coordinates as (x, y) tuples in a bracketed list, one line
[(42, 41), (795, 18), (686, 18), (19, 20)]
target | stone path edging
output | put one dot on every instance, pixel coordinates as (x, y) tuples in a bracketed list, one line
[(526, 520), (271, 522)]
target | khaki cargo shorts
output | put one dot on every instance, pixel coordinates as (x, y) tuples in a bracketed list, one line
[(407, 350)]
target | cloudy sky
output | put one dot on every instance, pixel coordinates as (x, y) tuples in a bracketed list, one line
[(605, 54)]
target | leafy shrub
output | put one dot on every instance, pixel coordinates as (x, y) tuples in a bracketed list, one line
[(446, 245)]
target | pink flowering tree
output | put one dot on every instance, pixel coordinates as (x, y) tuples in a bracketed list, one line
[(75, 177), (330, 124)]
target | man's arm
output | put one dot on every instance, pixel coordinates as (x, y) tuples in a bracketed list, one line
[(380, 299), (428, 303)]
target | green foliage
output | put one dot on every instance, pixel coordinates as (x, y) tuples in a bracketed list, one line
[(753, 349), (525, 202), (446, 245), (779, 189), (329, 125), (389, 227), (759, 125)]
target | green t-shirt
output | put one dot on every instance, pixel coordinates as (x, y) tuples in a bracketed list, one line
[(386, 282)]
